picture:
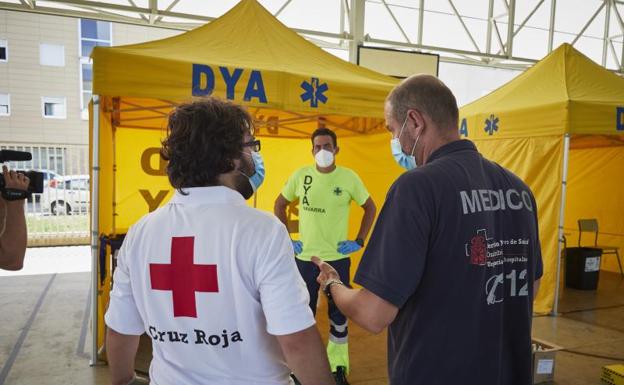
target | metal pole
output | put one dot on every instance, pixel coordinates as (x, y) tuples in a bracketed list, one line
[(407, 39), (510, 28), (605, 39), (356, 27), (551, 28), (421, 20), (461, 20), (342, 21), (621, 23), (95, 201), (564, 181), (591, 20), (488, 43)]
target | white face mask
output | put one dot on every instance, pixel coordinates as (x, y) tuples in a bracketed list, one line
[(324, 158)]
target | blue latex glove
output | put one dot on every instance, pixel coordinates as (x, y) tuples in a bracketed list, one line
[(297, 246), (348, 247)]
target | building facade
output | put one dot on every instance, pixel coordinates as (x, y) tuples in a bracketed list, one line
[(46, 78)]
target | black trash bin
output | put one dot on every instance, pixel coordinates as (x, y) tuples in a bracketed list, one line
[(582, 267)]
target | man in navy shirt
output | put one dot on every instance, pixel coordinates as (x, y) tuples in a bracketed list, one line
[(454, 261)]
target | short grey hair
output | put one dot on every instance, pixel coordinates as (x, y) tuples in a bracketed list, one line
[(427, 94)]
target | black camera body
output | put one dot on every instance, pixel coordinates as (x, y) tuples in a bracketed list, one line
[(36, 178)]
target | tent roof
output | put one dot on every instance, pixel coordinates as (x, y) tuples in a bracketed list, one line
[(250, 39), (564, 92)]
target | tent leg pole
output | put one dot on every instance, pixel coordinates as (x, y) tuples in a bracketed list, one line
[(564, 181), (95, 185)]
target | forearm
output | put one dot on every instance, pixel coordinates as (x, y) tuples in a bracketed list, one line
[(279, 209), (13, 239), (121, 351), (367, 221), (354, 304), (306, 357), (281, 215)]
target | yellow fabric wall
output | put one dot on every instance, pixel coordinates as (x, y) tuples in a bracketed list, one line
[(538, 161), (141, 182), (368, 156), (596, 190)]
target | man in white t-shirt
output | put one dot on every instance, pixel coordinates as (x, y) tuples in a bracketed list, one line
[(211, 280)]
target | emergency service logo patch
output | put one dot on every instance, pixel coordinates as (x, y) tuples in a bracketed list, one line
[(337, 191), (314, 92), (478, 249), (491, 125)]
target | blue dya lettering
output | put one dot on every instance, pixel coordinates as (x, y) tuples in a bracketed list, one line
[(204, 79)]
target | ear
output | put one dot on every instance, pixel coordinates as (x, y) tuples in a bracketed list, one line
[(418, 121), (237, 163), (337, 150)]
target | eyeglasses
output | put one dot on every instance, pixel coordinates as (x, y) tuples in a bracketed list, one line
[(254, 144)]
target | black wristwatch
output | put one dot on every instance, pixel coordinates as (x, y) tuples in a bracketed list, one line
[(327, 287), (359, 241)]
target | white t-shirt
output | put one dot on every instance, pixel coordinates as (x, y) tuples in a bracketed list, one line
[(212, 281)]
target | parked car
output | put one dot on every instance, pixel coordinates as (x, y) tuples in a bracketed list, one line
[(67, 195), (49, 179)]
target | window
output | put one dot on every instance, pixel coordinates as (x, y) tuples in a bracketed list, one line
[(5, 104), (93, 33), (4, 50), (80, 184), (54, 107), (86, 77), (52, 55)]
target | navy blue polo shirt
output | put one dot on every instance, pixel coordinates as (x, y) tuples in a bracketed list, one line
[(456, 249)]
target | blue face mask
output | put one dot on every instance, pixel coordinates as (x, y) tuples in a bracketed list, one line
[(258, 177), (408, 162)]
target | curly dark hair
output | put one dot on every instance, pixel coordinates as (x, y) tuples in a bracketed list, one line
[(204, 138)]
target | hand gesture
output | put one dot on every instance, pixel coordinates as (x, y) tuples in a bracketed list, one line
[(326, 271)]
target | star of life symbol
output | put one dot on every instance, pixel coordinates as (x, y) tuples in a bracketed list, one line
[(314, 92), (491, 124), (337, 191)]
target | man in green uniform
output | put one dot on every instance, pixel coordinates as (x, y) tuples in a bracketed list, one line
[(325, 192)]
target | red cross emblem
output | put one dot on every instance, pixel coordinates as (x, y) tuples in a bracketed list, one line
[(183, 277)]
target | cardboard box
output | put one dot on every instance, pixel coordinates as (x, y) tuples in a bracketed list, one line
[(613, 374), (543, 360)]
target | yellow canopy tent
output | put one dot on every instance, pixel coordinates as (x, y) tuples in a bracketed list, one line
[(290, 86), (560, 127)]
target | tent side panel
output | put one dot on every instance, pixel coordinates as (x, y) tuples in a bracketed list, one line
[(595, 190), (538, 162)]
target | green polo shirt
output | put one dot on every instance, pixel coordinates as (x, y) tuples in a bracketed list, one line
[(324, 202)]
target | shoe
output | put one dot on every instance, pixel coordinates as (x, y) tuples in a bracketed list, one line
[(340, 376)]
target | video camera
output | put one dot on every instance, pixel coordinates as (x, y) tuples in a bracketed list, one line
[(36, 178)]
